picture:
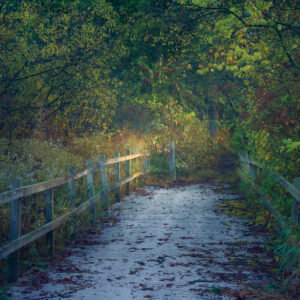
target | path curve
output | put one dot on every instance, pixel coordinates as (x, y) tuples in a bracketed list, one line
[(158, 244)]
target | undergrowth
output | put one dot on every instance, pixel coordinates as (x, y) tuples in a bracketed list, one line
[(35, 160), (285, 244)]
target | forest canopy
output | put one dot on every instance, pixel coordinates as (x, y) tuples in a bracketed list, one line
[(72, 67)]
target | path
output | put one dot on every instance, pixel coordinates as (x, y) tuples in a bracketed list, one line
[(159, 244)]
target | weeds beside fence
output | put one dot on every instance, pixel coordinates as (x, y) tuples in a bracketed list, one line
[(17, 192), (255, 170)]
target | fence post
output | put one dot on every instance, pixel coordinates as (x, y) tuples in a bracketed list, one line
[(14, 233), (71, 189), (128, 152), (172, 166), (49, 199), (135, 180), (295, 204), (91, 191), (104, 181), (117, 177), (145, 168)]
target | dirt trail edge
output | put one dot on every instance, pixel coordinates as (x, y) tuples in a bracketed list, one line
[(160, 244)]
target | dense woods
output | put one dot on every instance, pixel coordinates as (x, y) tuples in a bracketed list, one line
[(84, 77), (70, 68)]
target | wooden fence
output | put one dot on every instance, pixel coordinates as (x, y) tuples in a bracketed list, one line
[(293, 189), (17, 192)]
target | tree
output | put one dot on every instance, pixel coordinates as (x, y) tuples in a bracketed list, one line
[(55, 57)]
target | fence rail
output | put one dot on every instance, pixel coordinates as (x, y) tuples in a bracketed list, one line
[(15, 195), (43, 186), (293, 189)]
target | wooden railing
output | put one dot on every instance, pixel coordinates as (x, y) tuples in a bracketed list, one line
[(17, 192), (293, 189)]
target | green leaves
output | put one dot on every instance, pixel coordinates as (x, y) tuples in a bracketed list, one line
[(53, 54), (289, 146)]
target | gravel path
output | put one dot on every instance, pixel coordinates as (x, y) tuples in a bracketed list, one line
[(159, 244)]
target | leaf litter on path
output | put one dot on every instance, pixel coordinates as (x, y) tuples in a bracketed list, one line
[(203, 254)]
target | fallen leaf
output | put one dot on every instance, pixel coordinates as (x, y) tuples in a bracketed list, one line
[(65, 280)]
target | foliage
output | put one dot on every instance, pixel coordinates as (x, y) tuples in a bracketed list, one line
[(34, 161), (285, 245), (78, 76), (56, 63)]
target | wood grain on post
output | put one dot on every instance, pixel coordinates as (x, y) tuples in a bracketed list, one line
[(172, 166), (295, 203), (14, 233), (71, 189), (91, 190), (49, 199), (117, 178), (104, 181), (128, 152)]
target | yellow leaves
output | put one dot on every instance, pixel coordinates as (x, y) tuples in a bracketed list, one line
[(232, 68), (237, 50), (220, 67), (267, 157), (257, 56), (201, 72), (189, 66), (210, 65), (246, 68)]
